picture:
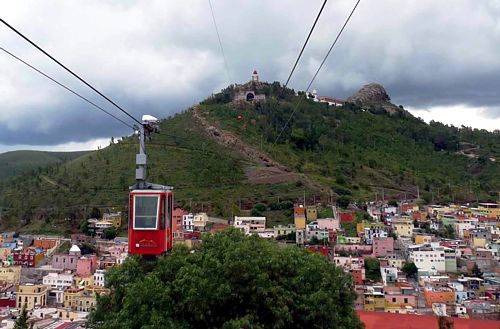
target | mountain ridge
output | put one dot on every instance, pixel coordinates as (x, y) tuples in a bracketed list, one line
[(354, 153)]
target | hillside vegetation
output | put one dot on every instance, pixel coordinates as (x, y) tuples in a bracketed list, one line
[(21, 162), (354, 152)]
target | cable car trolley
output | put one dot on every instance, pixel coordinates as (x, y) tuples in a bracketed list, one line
[(150, 205)]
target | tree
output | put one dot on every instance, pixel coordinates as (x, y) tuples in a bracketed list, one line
[(229, 281), (22, 320), (344, 201), (87, 248), (476, 271), (84, 226), (109, 233), (410, 269), (95, 213), (372, 269)]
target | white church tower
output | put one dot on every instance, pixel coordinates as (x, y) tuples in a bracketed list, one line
[(255, 76)]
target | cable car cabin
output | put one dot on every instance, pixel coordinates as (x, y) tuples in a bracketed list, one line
[(150, 222)]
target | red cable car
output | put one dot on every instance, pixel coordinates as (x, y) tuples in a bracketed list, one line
[(150, 205), (150, 221)]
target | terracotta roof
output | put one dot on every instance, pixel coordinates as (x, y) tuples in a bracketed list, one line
[(382, 320)]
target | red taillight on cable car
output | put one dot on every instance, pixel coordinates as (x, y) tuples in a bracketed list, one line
[(150, 222)]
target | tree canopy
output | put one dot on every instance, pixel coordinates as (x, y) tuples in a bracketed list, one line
[(230, 281), (410, 269), (372, 268)]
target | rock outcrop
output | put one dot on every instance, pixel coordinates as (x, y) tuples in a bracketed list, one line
[(373, 95)]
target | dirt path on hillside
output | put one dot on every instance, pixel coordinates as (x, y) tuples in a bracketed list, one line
[(269, 171)]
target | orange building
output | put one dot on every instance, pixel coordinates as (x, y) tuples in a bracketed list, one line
[(441, 295), (45, 244)]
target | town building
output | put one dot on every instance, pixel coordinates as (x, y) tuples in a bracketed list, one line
[(383, 246), (428, 258), (10, 275), (58, 281), (29, 296), (200, 220), (187, 222), (99, 276), (114, 218), (249, 225)]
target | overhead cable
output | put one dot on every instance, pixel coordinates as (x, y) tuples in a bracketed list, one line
[(305, 43), (68, 70), (65, 87), (317, 71)]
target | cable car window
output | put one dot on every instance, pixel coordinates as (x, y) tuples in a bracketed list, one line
[(146, 212)]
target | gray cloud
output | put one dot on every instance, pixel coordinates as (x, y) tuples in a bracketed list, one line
[(161, 56)]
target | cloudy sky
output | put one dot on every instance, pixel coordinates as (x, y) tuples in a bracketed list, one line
[(440, 59)]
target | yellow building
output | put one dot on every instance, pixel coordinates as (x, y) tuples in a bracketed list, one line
[(396, 262), (114, 218), (479, 242), (311, 213), (29, 295), (403, 229), (67, 314), (97, 290), (300, 223), (490, 209), (10, 274), (423, 239), (70, 295), (374, 301), (200, 220), (83, 281), (360, 228), (85, 302)]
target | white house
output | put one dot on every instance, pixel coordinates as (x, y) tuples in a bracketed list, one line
[(58, 280), (428, 258), (99, 277), (187, 222), (250, 225), (389, 274)]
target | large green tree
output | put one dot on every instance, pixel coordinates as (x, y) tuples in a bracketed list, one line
[(372, 269), (230, 281), (410, 269)]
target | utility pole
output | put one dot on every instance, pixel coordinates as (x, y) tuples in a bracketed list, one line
[(304, 198)]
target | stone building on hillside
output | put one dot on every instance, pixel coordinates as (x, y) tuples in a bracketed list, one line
[(245, 93)]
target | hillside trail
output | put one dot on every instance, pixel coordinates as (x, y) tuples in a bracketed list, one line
[(266, 170)]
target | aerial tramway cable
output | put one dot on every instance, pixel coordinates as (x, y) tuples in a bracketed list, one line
[(65, 87), (317, 71), (70, 71), (305, 43), (220, 41)]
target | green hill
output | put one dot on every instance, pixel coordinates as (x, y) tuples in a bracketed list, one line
[(22, 162), (222, 157)]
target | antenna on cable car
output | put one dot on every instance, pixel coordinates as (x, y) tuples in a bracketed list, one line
[(148, 127)]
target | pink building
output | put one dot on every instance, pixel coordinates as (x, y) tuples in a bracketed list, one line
[(383, 246), (356, 248), (116, 251), (328, 223), (177, 223), (67, 261), (86, 265)]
